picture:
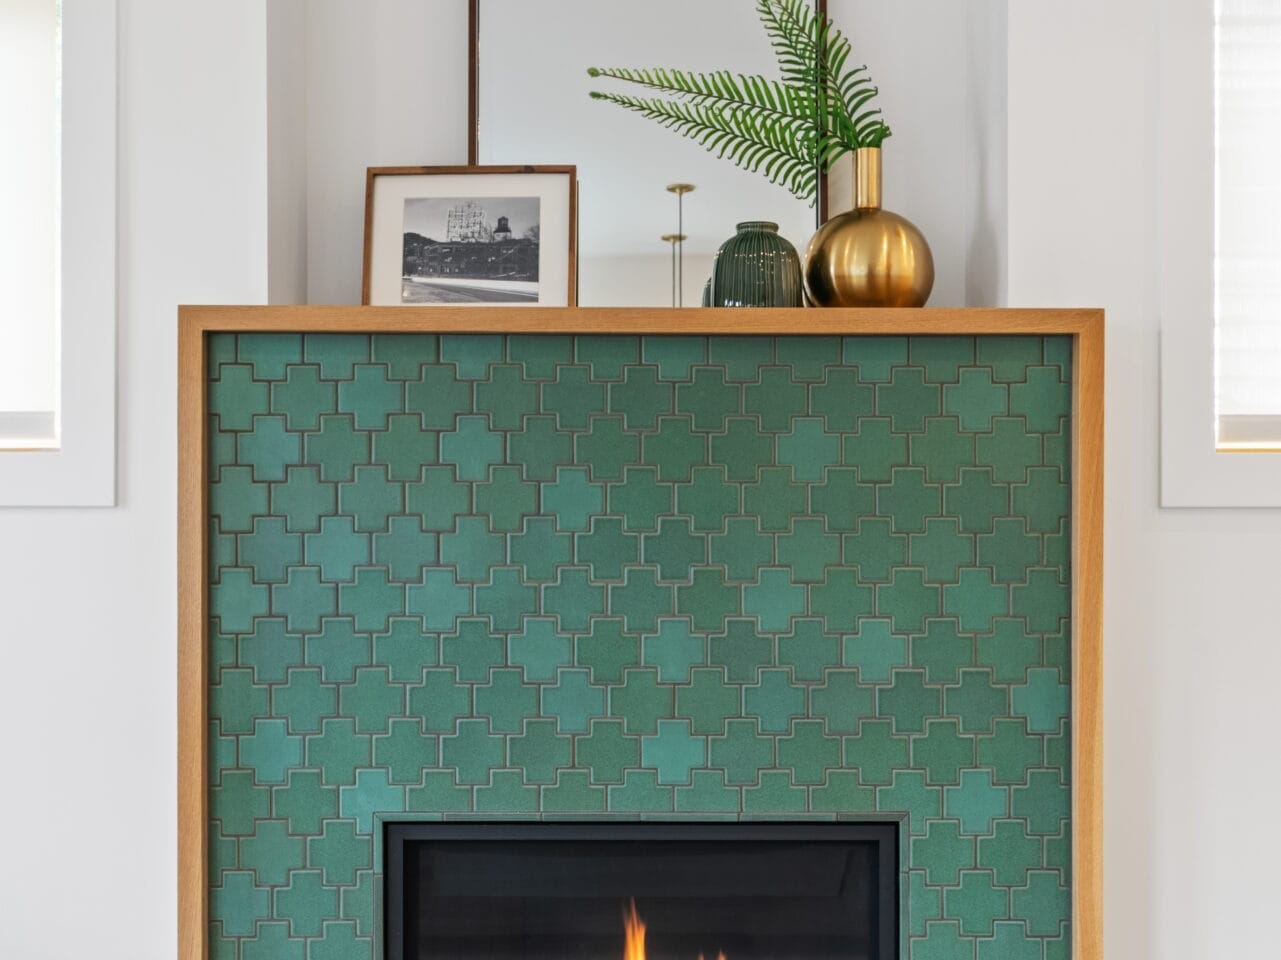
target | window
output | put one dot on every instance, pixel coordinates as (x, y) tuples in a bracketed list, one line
[(1220, 252), (29, 181), (58, 350), (1248, 248)]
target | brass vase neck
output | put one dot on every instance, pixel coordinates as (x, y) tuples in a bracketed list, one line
[(867, 178)]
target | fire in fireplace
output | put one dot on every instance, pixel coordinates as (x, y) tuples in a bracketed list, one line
[(641, 891)]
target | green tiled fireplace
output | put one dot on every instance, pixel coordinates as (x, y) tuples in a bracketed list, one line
[(593, 576)]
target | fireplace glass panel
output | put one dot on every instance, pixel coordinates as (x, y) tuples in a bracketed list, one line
[(568, 892)]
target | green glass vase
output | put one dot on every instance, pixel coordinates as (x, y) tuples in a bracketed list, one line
[(757, 268)]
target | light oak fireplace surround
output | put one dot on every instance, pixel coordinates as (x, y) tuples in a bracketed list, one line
[(444, 568)]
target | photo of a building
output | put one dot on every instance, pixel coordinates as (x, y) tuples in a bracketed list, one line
[(467, 250)]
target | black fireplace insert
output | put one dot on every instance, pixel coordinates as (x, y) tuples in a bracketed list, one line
[(641, 891)]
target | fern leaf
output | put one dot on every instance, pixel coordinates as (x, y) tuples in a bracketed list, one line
[(737, 135), (786, 129), (719, 87), (791, 27)]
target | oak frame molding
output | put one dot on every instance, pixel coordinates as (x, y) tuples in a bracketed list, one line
[(1085, 326)]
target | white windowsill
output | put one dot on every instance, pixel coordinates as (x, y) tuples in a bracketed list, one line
[(29, 430), (1241, 433)]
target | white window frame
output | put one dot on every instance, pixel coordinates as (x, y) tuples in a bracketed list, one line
[(82, 470), (1194, 473)]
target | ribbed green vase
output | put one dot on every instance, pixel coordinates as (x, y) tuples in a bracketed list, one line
[(757, 268)]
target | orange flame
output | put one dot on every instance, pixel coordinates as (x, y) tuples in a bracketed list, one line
[(634, 933)]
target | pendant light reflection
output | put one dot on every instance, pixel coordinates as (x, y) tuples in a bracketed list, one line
[(675, 239), (678, 242)]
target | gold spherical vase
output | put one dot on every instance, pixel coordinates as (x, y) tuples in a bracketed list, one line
[(868, 257)]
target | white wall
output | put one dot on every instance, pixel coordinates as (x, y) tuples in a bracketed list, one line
[(640, 281), (939, 67), (1192, 638), (386, 86), (987, 155), (87, 605), (287, 151)]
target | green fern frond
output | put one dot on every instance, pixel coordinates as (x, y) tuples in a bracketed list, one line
[(720, 87), (790, 25), (780, 148), (786, 129), (800, 37)]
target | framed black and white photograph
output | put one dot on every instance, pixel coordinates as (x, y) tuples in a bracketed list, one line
[(471, 236)]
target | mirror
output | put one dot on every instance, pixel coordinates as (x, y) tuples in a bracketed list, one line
[(531, 106)]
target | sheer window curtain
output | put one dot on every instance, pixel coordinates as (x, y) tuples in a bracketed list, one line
[(29, 198), (1248, 242)]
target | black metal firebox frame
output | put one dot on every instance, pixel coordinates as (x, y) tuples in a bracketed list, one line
[(884, 835)]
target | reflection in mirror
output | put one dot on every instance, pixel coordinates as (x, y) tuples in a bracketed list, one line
[(533, 107)]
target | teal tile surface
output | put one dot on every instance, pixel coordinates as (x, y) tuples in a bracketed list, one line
[(641, 576)]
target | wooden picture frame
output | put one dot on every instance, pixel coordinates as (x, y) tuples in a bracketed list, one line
[(478, 235), (1085, 327)]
